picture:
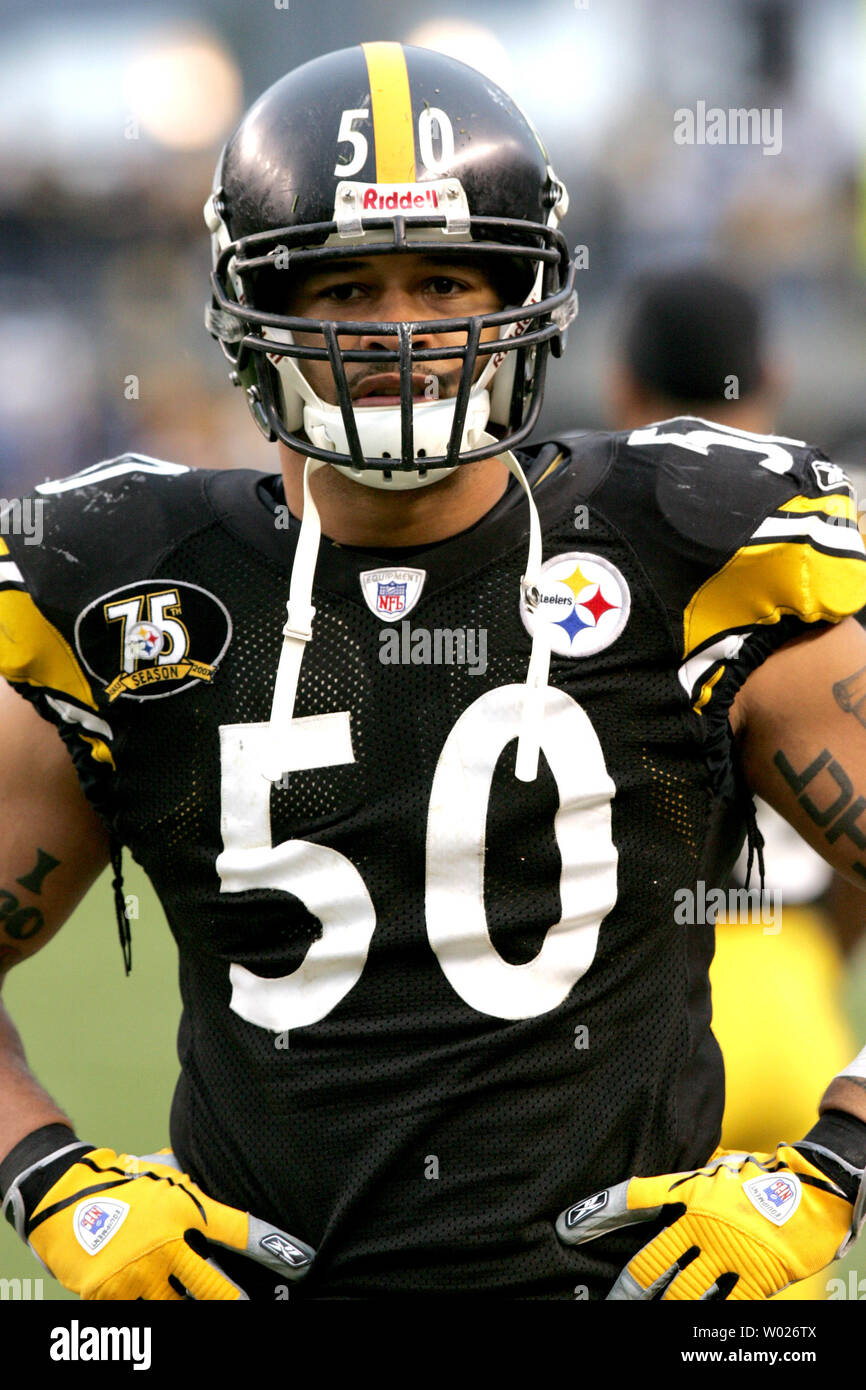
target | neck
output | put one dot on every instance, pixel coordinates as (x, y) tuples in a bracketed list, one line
[(353, 514)]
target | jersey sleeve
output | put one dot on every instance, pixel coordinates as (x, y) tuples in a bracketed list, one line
[(749, 538), (36, 658), (59, 549)]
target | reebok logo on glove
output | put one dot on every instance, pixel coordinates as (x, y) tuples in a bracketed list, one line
[(581, 1210), (284, 1249)]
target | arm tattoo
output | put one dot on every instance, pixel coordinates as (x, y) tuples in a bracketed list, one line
[(19, 922), (36, 877), (850, 695), (843, 811)]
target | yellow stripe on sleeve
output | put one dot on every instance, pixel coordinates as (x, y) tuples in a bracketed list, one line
[(834, 504), (760, 583), (393, 129), (33, 652)]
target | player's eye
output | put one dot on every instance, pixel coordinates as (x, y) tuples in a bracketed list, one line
[(445, 285), (342, 292)]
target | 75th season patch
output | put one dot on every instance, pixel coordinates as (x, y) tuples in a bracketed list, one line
[(152, 638)]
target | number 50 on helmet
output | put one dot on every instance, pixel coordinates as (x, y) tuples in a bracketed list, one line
[(377, 150)]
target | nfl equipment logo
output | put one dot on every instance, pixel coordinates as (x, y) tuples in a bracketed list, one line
[(391, 598), (776, 1196), (94, 1223), (391, 594)]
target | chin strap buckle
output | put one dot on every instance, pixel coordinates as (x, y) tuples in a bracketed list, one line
[(299, 621)]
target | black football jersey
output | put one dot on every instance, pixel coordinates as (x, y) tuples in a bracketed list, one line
[(427, 1005)]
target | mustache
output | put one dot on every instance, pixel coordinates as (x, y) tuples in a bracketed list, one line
[(430, 384)]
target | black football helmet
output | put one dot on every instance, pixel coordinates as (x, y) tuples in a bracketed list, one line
[(374, 150)]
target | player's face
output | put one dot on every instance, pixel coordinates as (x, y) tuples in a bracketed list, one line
[(404, 287)]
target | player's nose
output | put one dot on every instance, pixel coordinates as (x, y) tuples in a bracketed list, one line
[(394, 304)]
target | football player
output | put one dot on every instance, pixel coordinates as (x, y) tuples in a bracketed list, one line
[(422, 834)]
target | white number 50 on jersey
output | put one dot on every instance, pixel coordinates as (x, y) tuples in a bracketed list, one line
[(332, 889)]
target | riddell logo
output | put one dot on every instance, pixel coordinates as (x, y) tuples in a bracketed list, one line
[(399, 196)]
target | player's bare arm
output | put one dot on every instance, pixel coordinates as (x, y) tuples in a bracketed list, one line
[(804, 750), (52, 847), (802, 746)]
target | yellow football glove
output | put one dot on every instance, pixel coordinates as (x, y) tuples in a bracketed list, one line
[(113, 1226), (743, 1227)]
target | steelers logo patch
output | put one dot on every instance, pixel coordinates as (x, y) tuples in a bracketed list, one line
[(583, 602)]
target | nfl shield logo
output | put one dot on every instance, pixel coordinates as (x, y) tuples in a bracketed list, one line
[(391, 598), (775, 1196), (94, 1223), (391, 594)]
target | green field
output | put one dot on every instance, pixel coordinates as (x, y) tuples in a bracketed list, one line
[(104, 1044)]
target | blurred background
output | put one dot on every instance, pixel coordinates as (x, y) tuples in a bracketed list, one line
[(112, 113)]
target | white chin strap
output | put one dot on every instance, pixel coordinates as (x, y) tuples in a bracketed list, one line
[(379, 428), (298, 631), (380, 435)]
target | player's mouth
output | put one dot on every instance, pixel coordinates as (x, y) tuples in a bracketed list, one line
[(384, 389)]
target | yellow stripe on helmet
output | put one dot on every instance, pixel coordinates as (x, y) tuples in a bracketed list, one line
[(393, 128)]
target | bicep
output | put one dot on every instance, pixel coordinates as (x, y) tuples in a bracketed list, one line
[(53, 844), (801, 735)]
